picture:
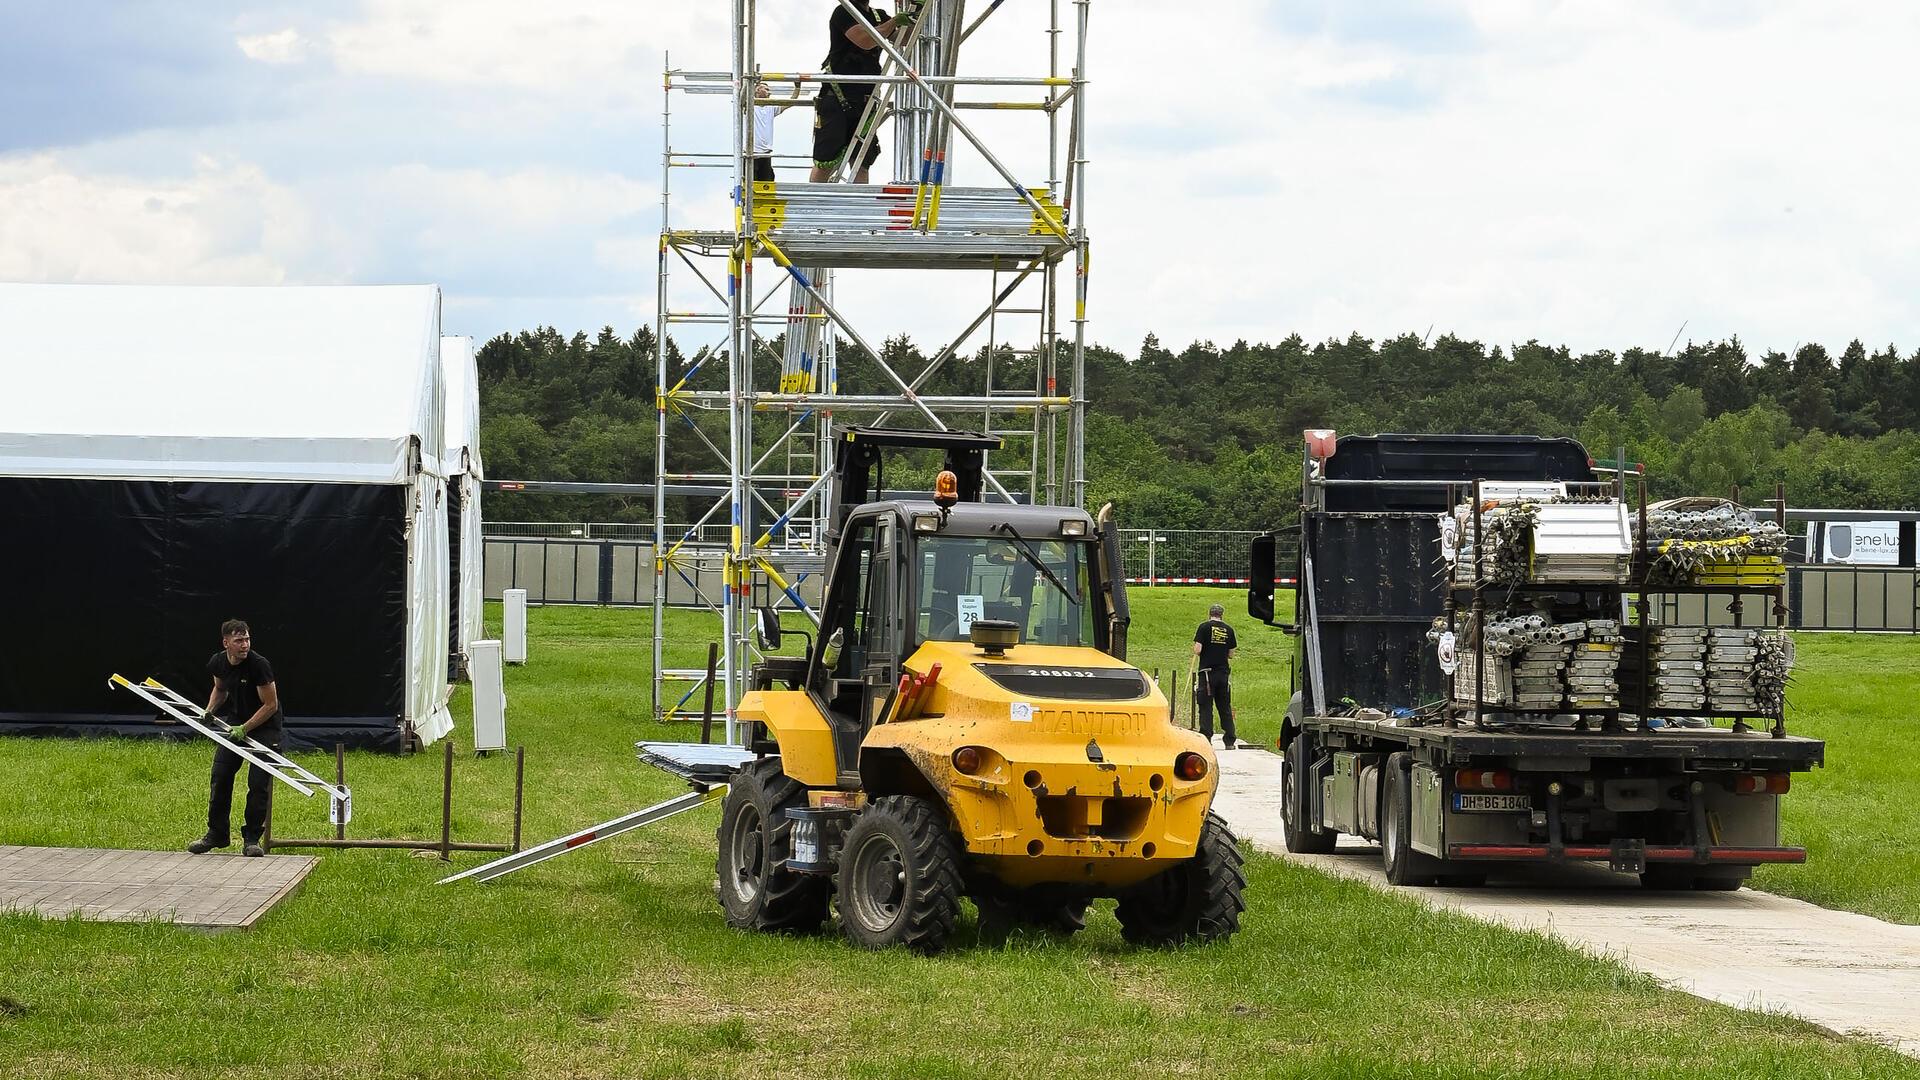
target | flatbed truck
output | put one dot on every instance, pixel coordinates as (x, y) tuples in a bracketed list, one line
[(1450, 800)]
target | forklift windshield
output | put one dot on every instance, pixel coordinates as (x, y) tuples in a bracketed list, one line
[(963, 578)]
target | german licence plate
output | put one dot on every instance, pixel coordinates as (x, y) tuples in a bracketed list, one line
[(1497, 803)]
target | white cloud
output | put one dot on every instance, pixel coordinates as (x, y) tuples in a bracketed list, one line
[(280, 47), (225, 222), (1587, 174)]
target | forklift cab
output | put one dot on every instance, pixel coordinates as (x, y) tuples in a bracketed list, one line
[(904, 571), (909, 572)]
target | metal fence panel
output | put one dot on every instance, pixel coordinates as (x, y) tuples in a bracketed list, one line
[(569, 570), (1194, 556), (620, 573), (1855, 598)]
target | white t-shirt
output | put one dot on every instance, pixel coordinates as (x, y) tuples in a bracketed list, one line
[(763, 128)]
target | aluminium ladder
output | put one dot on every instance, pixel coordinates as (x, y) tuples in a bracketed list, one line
[(273, 762)]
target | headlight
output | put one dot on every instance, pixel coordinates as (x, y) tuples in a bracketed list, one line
[(1073, 527), (926, 523)]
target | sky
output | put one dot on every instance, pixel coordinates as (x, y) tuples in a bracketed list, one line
[(1595, 175)]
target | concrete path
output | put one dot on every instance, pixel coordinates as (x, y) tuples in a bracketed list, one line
[(1847, 973)]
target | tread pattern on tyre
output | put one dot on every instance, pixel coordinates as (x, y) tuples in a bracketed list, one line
[(1213, 901), (787, 901), (932, 903)]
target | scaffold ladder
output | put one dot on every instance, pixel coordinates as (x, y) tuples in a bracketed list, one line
[(252, 750)]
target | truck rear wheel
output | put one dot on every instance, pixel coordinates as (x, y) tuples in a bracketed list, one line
[(899, 879), (756, 889), (1199, 900), (1295, 801), (1404, 866)]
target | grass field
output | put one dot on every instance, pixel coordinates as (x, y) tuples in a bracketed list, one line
[(614, 961), (1858, 817)]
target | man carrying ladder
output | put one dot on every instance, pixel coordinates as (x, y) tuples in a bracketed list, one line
[(245, 696)]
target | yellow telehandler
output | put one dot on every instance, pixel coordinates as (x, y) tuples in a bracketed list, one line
[(965, 723)]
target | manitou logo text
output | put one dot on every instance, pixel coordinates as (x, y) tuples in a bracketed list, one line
[(1089, 722)]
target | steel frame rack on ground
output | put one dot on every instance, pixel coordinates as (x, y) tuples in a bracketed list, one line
[(772, 445)]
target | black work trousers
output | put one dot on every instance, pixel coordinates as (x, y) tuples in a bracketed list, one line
[(226, 764), (1210, 692)]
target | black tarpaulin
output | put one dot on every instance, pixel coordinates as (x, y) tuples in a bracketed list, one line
[(135, 577)]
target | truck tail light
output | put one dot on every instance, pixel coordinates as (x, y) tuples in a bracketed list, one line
[(1190, 766), (1762, 784), (1483, 780)]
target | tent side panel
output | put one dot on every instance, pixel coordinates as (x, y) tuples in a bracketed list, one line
[(136, 577), (456, 648)]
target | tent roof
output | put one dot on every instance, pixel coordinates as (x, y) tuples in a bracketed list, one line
[(329, 383), (460, 378)]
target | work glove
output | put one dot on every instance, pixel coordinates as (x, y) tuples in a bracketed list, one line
[(238, 732)]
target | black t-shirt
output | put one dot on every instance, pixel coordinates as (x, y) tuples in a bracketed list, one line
[(242, 682), (846, 58), (1216, 640)]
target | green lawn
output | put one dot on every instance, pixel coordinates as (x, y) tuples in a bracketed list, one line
[(1858, 817), (614, 960)]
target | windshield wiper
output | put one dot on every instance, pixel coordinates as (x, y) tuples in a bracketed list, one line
[(1026, 550)]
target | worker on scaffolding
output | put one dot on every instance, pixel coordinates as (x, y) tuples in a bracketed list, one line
[(839, 107)]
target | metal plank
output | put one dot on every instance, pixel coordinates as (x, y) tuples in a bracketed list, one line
[(553, 849)]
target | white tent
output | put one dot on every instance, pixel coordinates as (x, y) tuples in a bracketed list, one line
[(461, 381), (173, 456)]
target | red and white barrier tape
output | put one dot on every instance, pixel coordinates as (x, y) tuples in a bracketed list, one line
[(1203, 581)]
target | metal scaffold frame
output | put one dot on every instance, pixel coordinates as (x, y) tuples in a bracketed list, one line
[(771, 445)]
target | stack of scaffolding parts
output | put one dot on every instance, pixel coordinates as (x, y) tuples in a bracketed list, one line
[(1678, 679), (1537, 665), (1722, 670), (1528, 535), (1703, 541), (1570, 545)]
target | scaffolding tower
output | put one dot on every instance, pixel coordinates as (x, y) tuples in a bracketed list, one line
[(768, 437)]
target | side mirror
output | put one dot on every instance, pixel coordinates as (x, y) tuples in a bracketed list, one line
[(769, 630), (1260, 578), (1113, 582)]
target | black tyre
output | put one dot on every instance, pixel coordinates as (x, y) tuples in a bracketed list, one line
[(1004, 910), (899, 879), (1404, 866), (1680, 877), (1199, 900), (1295, 791), (755, 888)]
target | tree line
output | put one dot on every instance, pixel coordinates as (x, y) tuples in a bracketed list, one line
[(1209, 437)]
